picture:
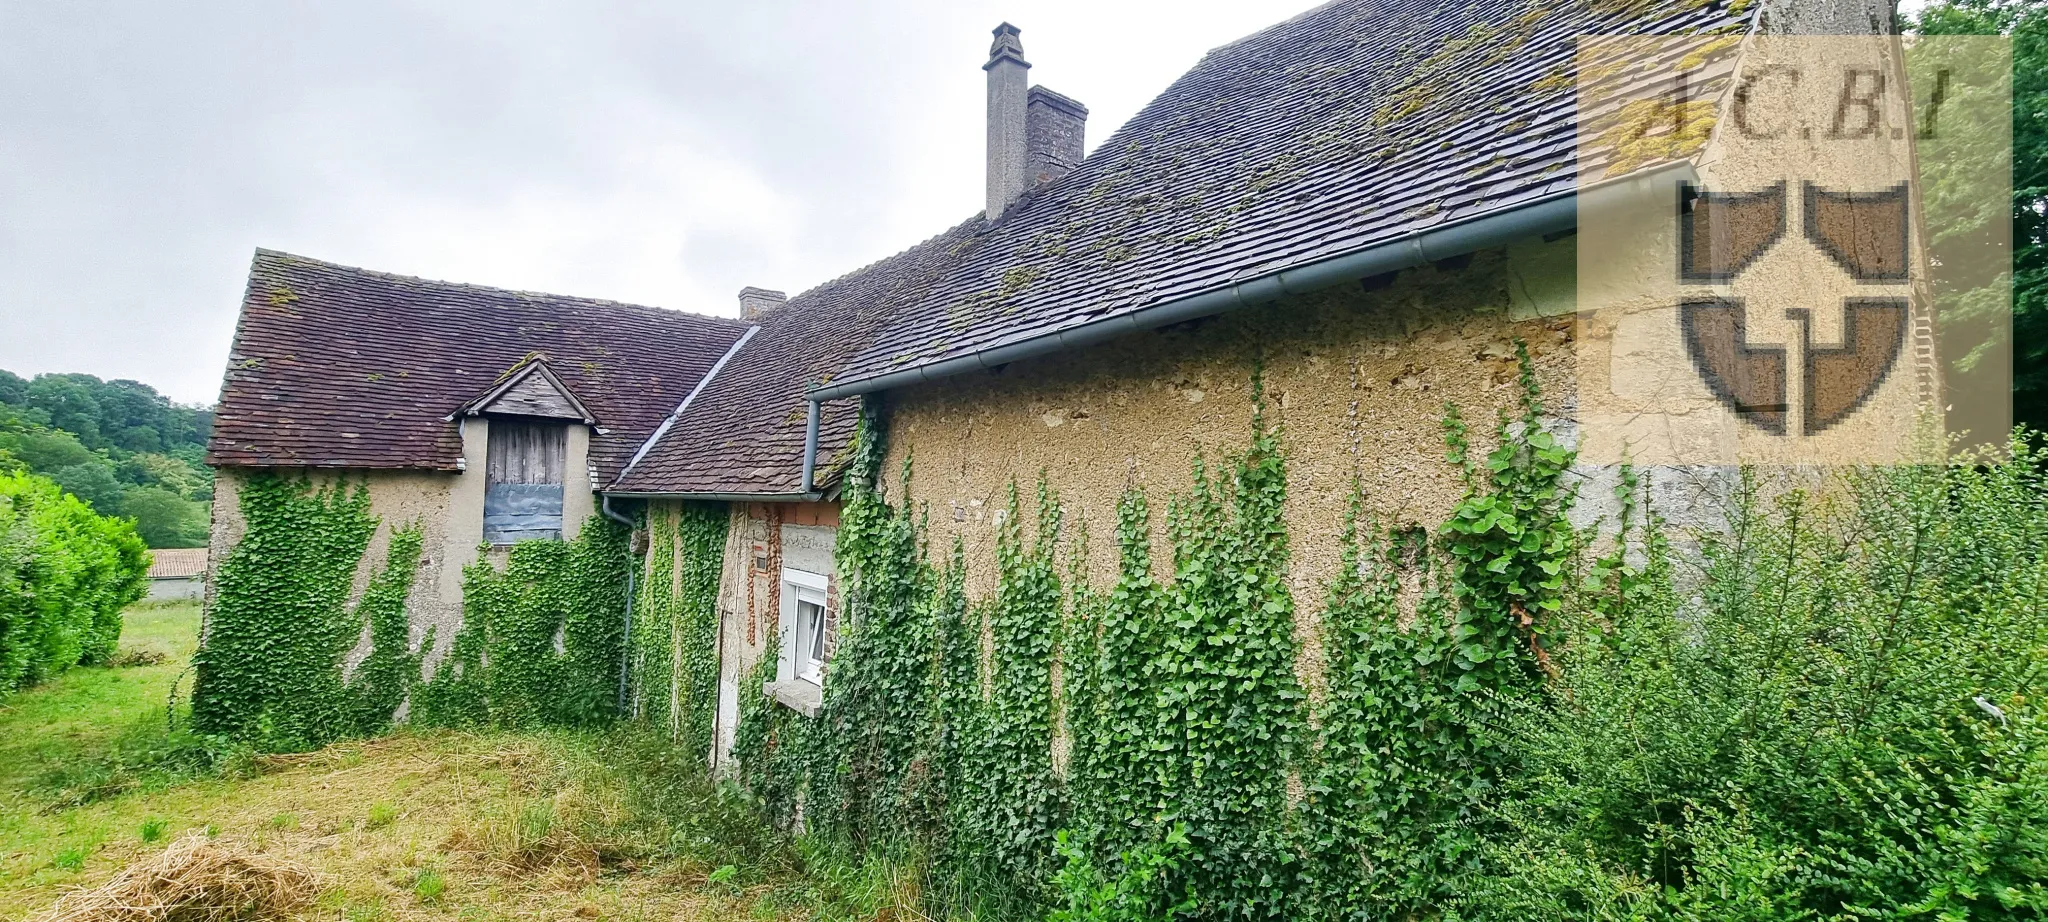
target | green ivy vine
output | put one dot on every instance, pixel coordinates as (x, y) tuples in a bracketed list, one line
[(1200, 779), (271, 666), (674, 648), (652, 656), (541, 640)]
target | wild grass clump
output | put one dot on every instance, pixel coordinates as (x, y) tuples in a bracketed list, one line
[(147, 755), (194, 880)]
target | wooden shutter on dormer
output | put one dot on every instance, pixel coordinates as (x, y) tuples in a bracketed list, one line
[(524, 473)]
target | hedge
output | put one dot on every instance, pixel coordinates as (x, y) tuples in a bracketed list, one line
[(66, 573)]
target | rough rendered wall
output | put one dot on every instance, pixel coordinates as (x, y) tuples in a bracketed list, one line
[(1137, 410), (397, 498)]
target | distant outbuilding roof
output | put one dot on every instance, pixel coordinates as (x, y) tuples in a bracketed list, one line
[(177, 563), (340, 367)]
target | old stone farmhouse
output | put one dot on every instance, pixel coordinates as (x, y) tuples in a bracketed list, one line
[(1366, 205)]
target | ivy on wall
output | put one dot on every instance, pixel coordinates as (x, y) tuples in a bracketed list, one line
[(389, 671), (541, 640), (652, 656), (271, 663), (674, 648), (1199, 778)]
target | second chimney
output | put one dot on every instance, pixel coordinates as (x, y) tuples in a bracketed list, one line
[(1053, 129), (755, 302)]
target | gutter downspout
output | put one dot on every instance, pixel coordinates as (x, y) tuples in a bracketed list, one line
[(626, 643), (1549, 214), (809, 485)]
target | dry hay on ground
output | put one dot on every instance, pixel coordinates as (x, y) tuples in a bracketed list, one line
[(195, 880)]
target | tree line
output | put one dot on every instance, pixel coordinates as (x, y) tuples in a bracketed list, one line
[(119, 445)]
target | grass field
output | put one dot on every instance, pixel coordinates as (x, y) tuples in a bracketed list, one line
[(412, 826)]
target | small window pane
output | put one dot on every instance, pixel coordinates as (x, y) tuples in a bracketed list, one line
[(814, 617)]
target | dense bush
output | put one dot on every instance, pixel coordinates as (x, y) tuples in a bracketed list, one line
[(65, 575), (1837, 715)]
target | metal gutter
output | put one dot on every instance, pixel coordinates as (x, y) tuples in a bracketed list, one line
[(662, 430), (1551, 213), (1546, 214), (729, 497)]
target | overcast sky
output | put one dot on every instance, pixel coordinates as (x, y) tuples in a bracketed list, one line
[(662, 153)]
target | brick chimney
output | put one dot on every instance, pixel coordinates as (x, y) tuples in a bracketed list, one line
[(756, 302), (1008, 97), (1053, 130)]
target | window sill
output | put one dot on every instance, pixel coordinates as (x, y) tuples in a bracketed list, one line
[(798, 695)]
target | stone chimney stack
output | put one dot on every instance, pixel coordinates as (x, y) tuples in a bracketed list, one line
[(1054, 126), (1827, 17), (1008, 92), (756, 302)]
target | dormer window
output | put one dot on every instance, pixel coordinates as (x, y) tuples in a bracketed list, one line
[(528, 413)]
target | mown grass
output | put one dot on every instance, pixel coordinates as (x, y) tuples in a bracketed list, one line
[(443, 825)]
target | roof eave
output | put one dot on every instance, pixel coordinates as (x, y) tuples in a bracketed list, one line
[(1557, 211)]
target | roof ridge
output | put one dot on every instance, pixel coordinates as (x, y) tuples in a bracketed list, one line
[(1282, 24), (899, 254), (263, 252)]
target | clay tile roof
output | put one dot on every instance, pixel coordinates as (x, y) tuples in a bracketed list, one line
[(744, 434), (177, 563), (1356, 123), (335, 366)]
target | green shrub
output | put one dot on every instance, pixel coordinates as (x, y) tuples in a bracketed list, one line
[(1139, 893), (1838, 716), (65, 575)]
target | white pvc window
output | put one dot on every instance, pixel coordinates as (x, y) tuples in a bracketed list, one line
[(803, 626)]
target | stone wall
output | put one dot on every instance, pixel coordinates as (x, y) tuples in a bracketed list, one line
[(451, 526), (448, 506), (1356, 378)]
